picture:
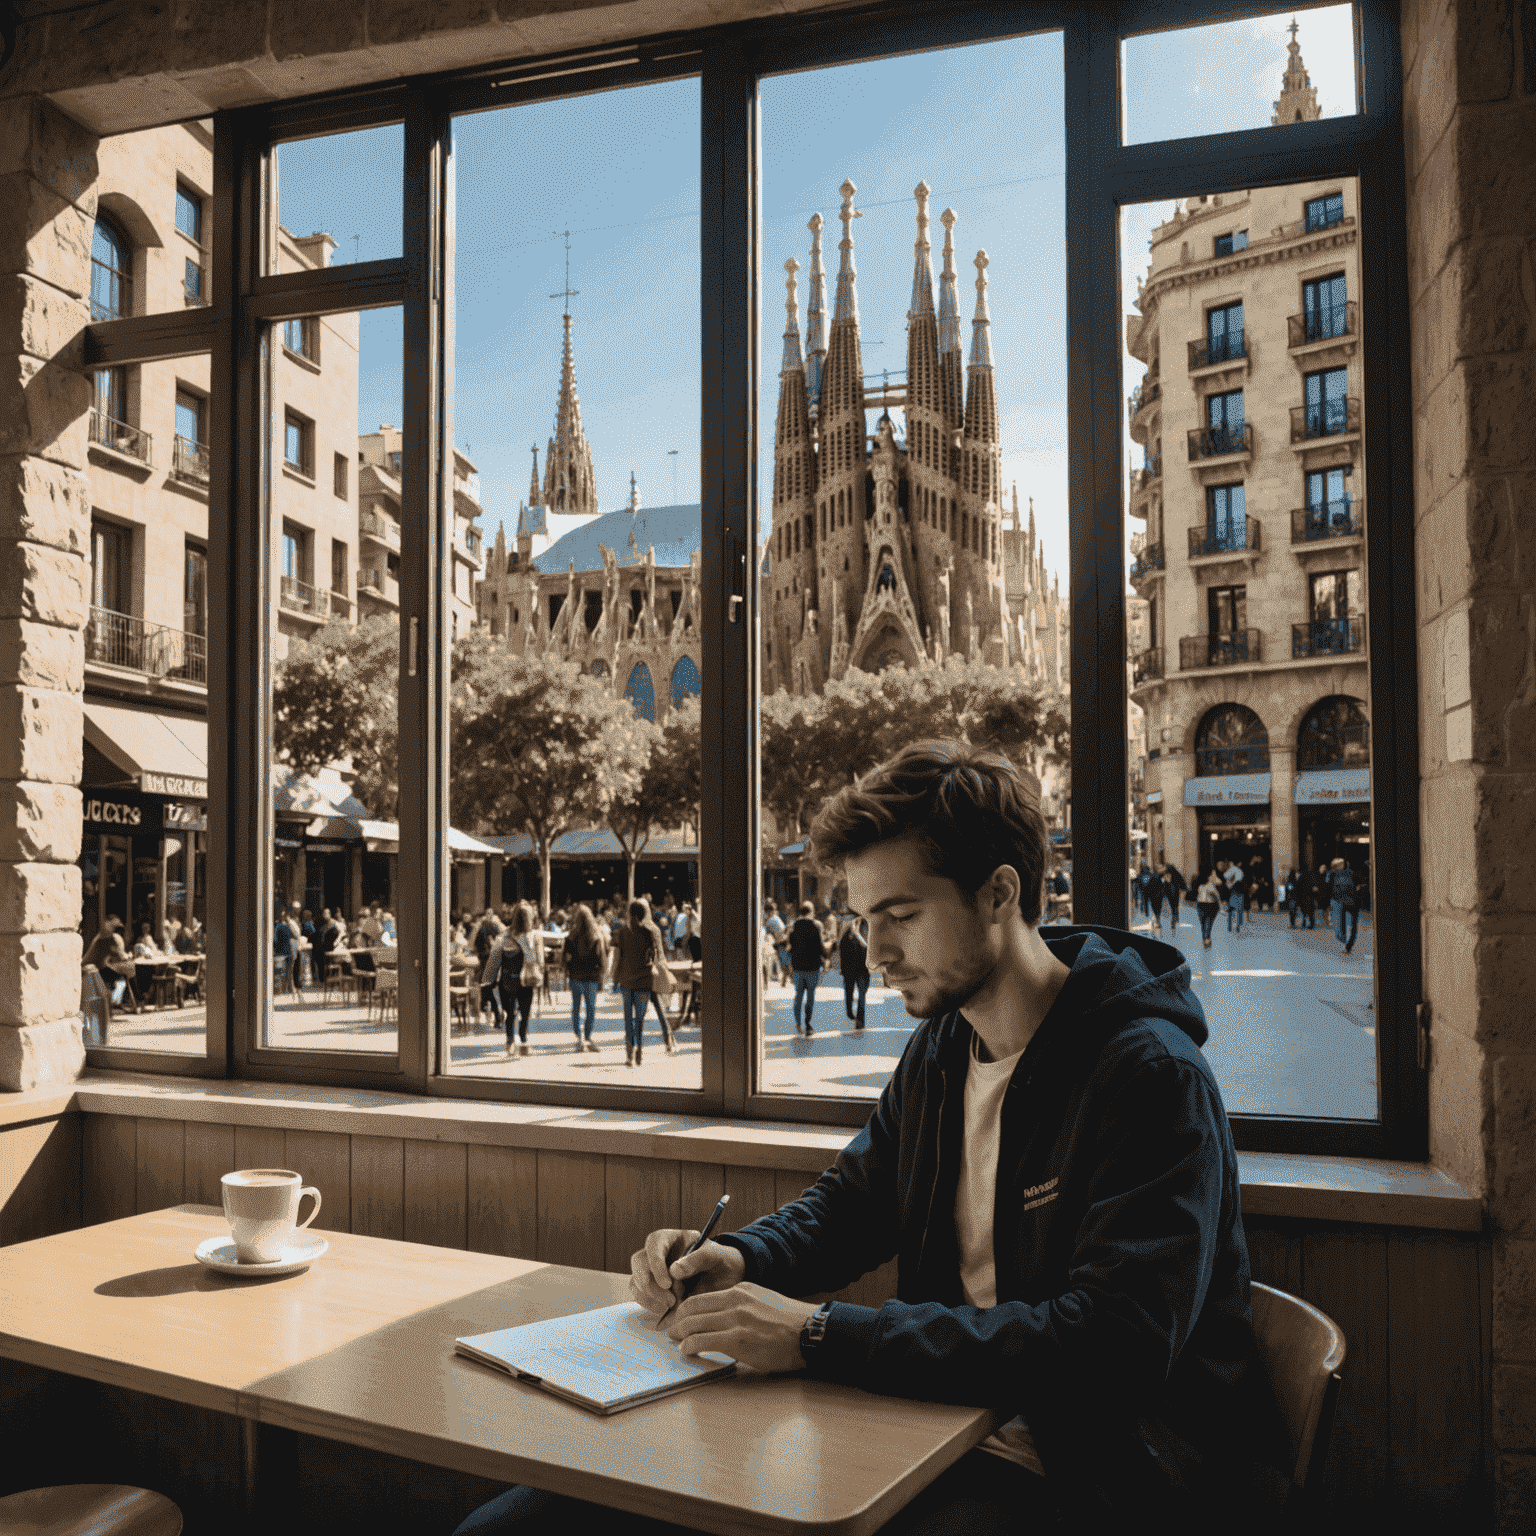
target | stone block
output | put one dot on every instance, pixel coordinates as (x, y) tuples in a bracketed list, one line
[(39, 977), (1485, 50), (1514, 1299), (1502, 637), (1495, 183), (1433, 212), (404, 21), (1506, 843), (40, 822), (34, 1055), (48, 585), (38, 139), (1433, 329), (1514, 1407), (1501, 534), (1512, 1149), (1450, 824), (1499, 391), (45, 235), (1451, 973), (44, 410), (1506, 982), (1429, 94), (113, 40), (1496, 283), (298, 29), (42, 655), (41, 735), (1458, 1108), (1440, 437), (39, 898), (39, 321), (45, 503), (1515, 1495)]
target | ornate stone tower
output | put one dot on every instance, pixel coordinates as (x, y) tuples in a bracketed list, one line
[(981, 488), (793, 573), (1298, 96), (570, 485), (928, 437)]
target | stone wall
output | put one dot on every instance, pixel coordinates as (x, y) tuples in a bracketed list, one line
[(1470, 131), (47, 186)]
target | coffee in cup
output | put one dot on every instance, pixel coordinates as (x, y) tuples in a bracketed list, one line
[(261, 1206)]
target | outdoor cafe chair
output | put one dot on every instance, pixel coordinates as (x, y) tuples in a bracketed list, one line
[(102, 1509), (385, 994), (342, 982)]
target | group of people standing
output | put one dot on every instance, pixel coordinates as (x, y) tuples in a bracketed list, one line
[(1335, 884), (801, 951)]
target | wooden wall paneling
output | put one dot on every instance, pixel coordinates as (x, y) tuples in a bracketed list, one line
[(753, 1193), (378, 1186), (572, 1221), (259, 1146), (210, 1154), (1346, 1276), (503, 1201), (324, 1159), (1434, 1306), (1275, 1254), (789, 1184), (436, 1193), (108, 1168), (700, 1186), (160, 1164), (640, 1194), (39, 1179)]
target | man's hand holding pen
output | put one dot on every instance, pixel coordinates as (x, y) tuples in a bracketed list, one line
[(706, 1305)]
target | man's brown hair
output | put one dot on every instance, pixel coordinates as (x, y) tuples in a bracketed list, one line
[(968, 809)]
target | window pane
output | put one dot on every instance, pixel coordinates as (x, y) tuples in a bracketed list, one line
[(1262, 71), (912, 476), (575, 766), (1251, 726), (335, 781), (339, 197)]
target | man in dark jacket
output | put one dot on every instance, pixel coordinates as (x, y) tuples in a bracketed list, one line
[(853, 961), (807, 951)]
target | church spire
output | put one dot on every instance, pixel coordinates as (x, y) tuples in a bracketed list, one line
[(981, 326), (570, 482), (792, 362), (922, 268), (847, 298), (815, 316), (1298, 96), (533, 483), (634, 493), (949, 304), (981, 423)]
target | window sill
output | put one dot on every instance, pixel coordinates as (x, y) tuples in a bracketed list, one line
[(294, 472), (301, 360), (1274, 1184)]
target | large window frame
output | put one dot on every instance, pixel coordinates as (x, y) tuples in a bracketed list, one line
[(242, 330)]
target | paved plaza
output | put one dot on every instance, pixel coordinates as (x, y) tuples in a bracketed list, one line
[(1292, 1029)]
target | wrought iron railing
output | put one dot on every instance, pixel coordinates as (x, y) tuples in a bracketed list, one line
[(1217, 349), (1327, 520), (1147, 667), (189, 460), (1322, 324), (1328, 637), (1211, 442), (1145, 393), (1325, 419), (118, 435), (341, 607), (385, 529), (299, 597), (1240, 648), (1150, 559), (121, 640), (1213, 539)]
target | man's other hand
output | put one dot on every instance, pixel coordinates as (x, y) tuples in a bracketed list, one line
[(654, 1268), (748, 1322)]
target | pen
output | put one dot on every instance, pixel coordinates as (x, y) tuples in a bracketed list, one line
[(709, 1226)]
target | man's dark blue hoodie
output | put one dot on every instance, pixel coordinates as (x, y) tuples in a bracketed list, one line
[(1123, 1330)]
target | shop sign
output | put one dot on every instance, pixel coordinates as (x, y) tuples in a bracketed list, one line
[(181, 817), (284, 842), (1155, 798), (1228, 789), (1334, 786), (117, 813), (326, 847), (173, 784)]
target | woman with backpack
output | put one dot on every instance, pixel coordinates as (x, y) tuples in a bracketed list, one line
[(586, 956), (529, 939)]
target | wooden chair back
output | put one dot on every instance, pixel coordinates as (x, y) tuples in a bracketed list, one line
[(1301, 1349)]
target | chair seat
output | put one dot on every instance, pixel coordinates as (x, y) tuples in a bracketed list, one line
[(89, 1509)]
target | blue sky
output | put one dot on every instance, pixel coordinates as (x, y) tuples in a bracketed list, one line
[(982, 125)]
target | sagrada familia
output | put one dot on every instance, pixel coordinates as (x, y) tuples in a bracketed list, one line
[(888, 549)]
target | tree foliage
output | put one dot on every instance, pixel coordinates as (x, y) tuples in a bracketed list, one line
[(666, 792)]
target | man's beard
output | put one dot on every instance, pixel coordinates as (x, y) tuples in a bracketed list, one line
[(952, 989)]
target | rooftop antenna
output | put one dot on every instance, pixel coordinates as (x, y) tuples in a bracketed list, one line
[(567, 292), (672, 454)]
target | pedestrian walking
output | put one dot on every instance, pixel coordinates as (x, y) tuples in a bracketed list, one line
[(1155, 898), (1343, 905), (1143, 888), (1237, 896), (637, 950), (1289, 893), (1207, 905), (807, 953), (1176, 888), (1306, 896), (585, 953), (853, 960)]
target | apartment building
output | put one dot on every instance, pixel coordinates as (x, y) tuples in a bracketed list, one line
[(1253, 676), (145, 754)]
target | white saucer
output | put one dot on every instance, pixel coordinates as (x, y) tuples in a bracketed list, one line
[(220, 1253)]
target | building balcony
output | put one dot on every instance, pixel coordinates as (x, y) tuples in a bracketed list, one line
[(380, 586), (121, 438), (1147, 667), (1147, 560), (1337, 418), (298, 597), (189, 461), (1328, 637), (1218, 352), (1328, 521), (121, 640), (1143, 400), (1241, 648), (1335, 322), (1221, 445), (1210, 542), (341, 606), (382, 530)]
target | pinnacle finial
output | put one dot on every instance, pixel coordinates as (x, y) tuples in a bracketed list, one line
[(634, 493), (533, 484), (949, 304), (981, 326), (792, 361), (922, 267), (847, 299), (815, 316)]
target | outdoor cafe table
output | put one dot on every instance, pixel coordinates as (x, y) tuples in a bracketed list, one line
[(359, 1348)]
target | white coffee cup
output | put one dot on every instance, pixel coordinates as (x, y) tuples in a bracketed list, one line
[(261, 1206)]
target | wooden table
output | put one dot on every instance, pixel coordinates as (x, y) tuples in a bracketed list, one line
[(359, 1348)]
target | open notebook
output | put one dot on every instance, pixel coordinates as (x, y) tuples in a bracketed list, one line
[(607, 1360)]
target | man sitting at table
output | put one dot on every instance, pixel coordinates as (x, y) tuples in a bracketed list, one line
[(1051, 1164)]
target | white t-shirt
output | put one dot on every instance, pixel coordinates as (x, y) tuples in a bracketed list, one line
[(985, 1084)]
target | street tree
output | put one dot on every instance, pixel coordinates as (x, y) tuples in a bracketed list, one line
[(666, 792)]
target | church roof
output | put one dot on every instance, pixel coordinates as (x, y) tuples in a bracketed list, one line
[(673, 530)]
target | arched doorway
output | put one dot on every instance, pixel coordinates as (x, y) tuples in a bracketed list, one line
[(1333, 759), (641, 692), (1233, 812)]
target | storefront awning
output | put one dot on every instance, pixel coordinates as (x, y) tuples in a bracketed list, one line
[(1333, 786), (1228, 789), (164, 754), (384, 836)]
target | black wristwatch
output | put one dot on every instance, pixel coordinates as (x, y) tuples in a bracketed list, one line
[(815, 1329)]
